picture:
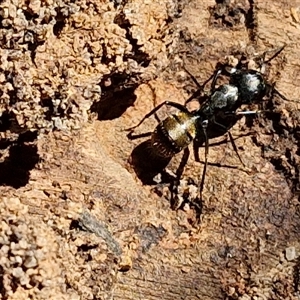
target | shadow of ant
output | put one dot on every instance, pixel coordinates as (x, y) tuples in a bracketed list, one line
[(151, 169)]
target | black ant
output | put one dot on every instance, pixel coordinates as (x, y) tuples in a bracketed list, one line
[(219, 109)]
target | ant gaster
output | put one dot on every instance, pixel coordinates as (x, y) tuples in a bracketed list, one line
[(219, 109)]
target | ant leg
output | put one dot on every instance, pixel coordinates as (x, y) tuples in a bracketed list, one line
[(154, 110), (196, 150), (132, 136), (250, 112), (197, 143), (205, 161), (214, 81), (184, 160), (271, 91), (264, 62), (176, 199), (200, 87), (193, 96), (241, 113), (275, 91), (275, 54), (235, 148), (231, 140)]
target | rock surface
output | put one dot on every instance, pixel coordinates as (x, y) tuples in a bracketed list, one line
[(81, 216)]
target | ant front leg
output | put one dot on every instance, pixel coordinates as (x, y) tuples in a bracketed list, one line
[(261, 59), (152, 112), (273, 56), (214, 81)]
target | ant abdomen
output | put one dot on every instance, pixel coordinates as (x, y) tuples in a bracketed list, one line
[(174, 134)]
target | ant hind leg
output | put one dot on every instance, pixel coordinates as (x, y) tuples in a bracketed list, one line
[(153, 111), (200, 86)]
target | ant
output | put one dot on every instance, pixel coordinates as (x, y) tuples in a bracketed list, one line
[(218, 109)]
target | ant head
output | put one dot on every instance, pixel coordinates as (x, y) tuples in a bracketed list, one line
[(251, 85)]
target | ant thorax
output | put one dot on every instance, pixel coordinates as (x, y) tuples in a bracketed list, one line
[(224, 98)]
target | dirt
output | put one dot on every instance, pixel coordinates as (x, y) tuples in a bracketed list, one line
[(86, 213)]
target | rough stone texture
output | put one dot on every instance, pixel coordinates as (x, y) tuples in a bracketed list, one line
[(81, 216)]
